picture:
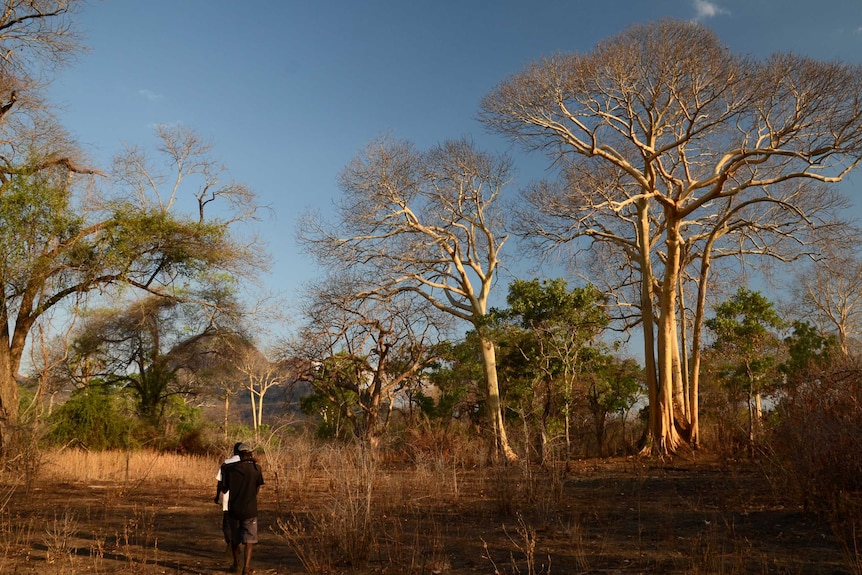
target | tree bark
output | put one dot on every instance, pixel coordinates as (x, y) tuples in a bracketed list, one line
[(666, 437), (495, 410)]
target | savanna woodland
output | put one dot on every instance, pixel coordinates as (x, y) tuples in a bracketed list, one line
[(408, 425)]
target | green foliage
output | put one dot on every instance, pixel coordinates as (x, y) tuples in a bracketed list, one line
[(96, 416), (745, 334), (458, 378), (543, 338), (331, 415), (807, 350), (616, 384)]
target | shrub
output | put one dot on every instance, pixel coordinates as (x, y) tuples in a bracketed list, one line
[(816, 436), (95, 416)]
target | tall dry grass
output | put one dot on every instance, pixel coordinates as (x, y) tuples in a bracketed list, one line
[(79, 466)]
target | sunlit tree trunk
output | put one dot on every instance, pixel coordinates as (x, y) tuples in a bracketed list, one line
[(495, 409), (667, 439)]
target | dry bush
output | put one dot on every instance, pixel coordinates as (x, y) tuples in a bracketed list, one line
[(816, 440), (16, 534), (350, 511), (339, 531), (816, 446), (451, 444)]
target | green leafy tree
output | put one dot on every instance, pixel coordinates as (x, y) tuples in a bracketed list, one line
[(612, 386), (95, 416), (141, 348), (545, 331), (745, 328), (67, 242), (808, 350), (457, 379)]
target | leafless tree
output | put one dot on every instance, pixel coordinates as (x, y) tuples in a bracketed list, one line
[(370, 348), (428, 223), (662, 127), (829, 293)]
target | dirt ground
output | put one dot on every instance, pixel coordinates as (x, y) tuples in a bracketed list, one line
[(599, 517)]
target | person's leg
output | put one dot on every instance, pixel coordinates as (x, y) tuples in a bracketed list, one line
[(226, 529), (234, 547), (235, 538), (249, 538), (247, 566)]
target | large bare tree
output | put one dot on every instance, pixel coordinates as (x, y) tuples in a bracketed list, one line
[(428, 223), (660, 131)]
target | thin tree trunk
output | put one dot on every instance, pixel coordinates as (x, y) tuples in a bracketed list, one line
[(647, 315), (8, 399), (226, 411), (489, 362)]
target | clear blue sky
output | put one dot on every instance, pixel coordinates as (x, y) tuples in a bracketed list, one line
[(289, 91)]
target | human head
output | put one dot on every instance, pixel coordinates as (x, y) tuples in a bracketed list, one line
[(243, 450), (236, 447)]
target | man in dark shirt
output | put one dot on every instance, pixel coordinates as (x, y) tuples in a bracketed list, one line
[(242, 480), (221, 497)]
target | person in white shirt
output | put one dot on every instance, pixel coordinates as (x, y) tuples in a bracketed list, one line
[(222, 495)]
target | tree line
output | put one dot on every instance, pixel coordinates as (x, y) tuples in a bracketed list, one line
[(678, 169)]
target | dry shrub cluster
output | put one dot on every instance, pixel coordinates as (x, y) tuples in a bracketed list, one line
[(817, 437), (816, 446), (347, 510)]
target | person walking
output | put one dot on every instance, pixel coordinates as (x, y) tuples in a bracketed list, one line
[(242, 481), (221, 496)]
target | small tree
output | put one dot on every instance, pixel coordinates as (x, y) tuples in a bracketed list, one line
[(808, 351), (611, 387), (553, 325), (367, 350), (744, 328)]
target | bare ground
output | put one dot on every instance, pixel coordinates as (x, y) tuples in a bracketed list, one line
[(616, 516)]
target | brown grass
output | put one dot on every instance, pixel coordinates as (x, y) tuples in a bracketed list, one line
[(79, 466)]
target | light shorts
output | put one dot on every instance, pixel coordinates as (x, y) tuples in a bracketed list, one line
[(244, 530)]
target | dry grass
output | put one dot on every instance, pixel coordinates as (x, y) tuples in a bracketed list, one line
[(129, 467), (338, 509)]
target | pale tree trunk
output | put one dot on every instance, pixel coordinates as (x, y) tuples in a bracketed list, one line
[(682, 353), (226, 411), (666, 439), (253, 406), (567, 413), (647, 315), (750, 424), (697, 335), (489, 363)]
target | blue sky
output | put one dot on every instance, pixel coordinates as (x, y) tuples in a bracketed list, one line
[(289, 91)]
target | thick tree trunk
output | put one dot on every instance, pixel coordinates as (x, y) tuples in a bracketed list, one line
[(666, 439), (489, 362), (8, 399)]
